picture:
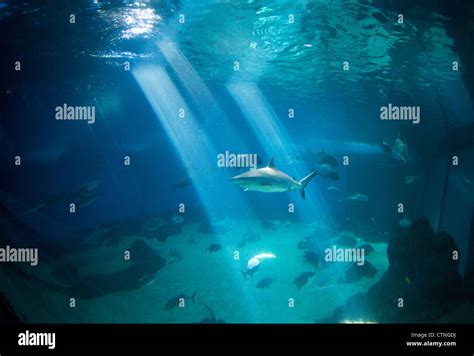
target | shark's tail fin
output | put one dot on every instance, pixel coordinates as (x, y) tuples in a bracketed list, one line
[(304, 182)]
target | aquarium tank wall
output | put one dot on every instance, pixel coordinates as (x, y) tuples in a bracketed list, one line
[(244, 162)]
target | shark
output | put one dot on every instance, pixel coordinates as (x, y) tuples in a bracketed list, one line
[(271, 180)]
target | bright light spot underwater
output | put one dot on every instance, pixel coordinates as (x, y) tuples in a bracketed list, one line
[(139, 22)]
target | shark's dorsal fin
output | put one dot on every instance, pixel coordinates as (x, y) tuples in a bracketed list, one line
[(272, 163)]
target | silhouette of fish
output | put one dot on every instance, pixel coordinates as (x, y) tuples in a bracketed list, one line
[(265, 282), (303, 278)]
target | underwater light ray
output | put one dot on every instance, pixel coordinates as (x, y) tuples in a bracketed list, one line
[(208, 107), (190, 142), (189, 78), (267, 127)]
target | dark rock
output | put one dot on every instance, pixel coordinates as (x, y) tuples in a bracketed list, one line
[(421, 271)]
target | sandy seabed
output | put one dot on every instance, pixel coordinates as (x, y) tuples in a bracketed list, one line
[(216, 276)]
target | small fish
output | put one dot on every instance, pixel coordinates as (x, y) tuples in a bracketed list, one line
[(408, 280), (355, 272), (312, 258), (386, 148), (211, 319), (333, 189), (265, 282), (357, 197), (175, 301), (86, 201), (303, 278), (400, 149), (303, 244), (323, 158), (327, 172), (250, 271), (185, 182), (213, 247), (254, 263)]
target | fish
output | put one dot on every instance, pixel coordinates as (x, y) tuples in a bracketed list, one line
[(312, 258), (253, 263), (145, 263), (367, 248), (303, 278), (355, 272), (82, 196), (213, 247), (183, 183), (357, 197), (175, 301), (86, 201), (400, 149), (304, 244), (211, 319), (386, 148), (345, 239), (252, 266), (166, 231), (326, 171), (265, 282), (408, 280), (333, 189), (322, 157), (271, 180)]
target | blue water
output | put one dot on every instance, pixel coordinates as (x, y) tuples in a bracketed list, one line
[(176, 83)]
